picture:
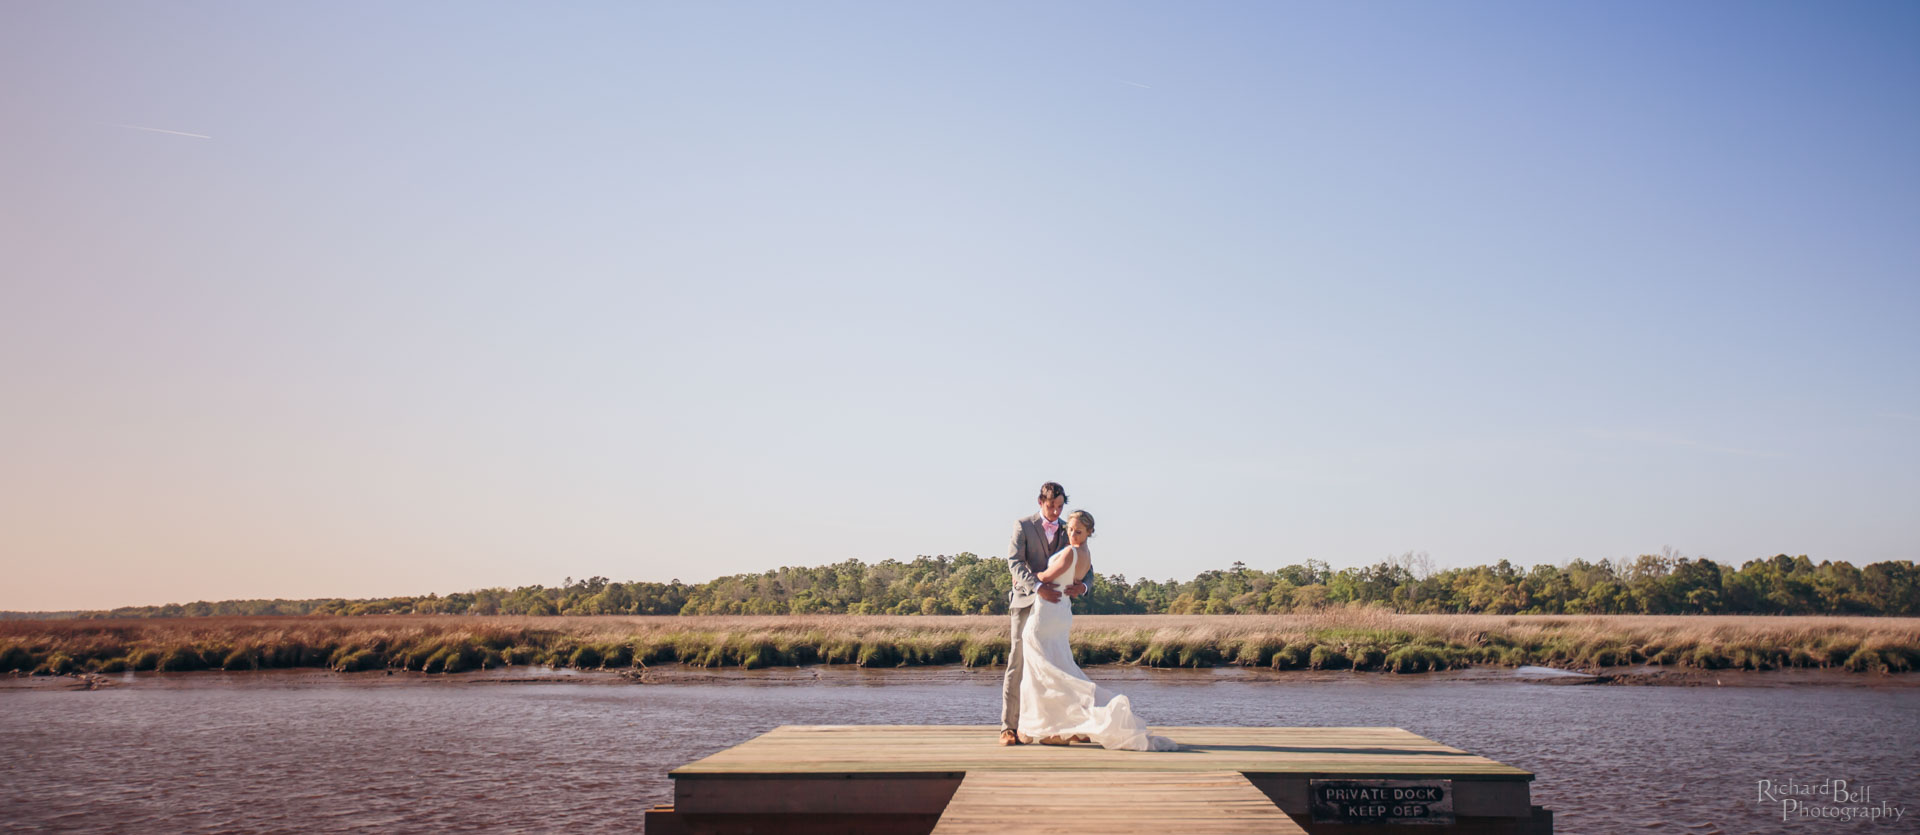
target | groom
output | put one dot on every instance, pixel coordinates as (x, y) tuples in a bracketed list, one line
[(1035, 539)]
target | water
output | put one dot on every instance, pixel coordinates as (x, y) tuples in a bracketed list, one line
[(306, 752)]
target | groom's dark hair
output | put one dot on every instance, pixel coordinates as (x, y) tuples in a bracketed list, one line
[(1051, 489)]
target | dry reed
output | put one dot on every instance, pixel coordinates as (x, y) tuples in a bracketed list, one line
[(1333, 638)]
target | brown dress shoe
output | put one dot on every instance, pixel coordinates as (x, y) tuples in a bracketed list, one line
[(1054, 740), (1024, 739), (1082, 738), (1009, 738)]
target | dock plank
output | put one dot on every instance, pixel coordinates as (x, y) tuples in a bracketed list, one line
[(1192, 802), (972, 749)]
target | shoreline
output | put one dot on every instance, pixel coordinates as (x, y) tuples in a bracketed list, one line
[(1358, 639), (1645, 675)]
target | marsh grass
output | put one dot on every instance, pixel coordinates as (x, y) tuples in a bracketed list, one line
[(1330, 639)]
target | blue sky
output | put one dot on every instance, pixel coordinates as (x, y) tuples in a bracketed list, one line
[(456, 295)]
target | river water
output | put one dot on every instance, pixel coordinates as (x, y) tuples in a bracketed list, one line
[(321, 752)]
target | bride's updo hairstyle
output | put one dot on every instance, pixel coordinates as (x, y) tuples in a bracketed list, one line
[(1086, 520)]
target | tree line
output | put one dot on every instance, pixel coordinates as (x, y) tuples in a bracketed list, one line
[(965, 584)]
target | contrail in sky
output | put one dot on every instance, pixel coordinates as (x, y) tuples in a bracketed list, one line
[(1136, 84), (164, 130), (1670, 440)]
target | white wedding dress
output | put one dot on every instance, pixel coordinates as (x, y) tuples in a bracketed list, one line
[(1057, 699)]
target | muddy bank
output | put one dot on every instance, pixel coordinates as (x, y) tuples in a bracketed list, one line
[(1646, 675)]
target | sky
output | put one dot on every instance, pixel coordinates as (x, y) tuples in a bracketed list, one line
[(365, 299)]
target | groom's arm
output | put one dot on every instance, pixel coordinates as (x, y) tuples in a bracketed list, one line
[(1017, 562)]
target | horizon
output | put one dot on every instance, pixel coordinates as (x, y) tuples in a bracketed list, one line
[(308, 303)]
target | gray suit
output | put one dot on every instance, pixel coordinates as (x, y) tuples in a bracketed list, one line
[(1026, 558)]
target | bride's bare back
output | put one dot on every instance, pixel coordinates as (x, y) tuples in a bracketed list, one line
[(1068, 566)]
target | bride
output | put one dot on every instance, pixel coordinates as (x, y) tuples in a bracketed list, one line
[(1058, 703)]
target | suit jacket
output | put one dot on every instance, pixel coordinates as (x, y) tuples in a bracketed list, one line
[(1028, 557)]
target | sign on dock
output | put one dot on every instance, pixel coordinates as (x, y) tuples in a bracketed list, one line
[(1381, 801)]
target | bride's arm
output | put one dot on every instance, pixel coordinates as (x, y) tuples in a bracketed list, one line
[(1059, 565)]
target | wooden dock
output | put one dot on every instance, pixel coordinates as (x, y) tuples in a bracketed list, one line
[(955, 779), (1189, 802)]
